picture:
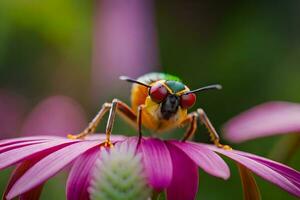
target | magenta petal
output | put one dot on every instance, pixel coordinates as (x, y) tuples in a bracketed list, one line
[(49, 166), (18, 145), (264, 120), (185, 176), (25, 139), (278, 174), (18, 172), (102, 137), (13, 156), (205, 158), (157, 163), (287, 171), (80, 175)]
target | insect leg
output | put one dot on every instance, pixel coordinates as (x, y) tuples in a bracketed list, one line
[(124, 110), (212, 131), (110, 123), (93, 124), (192, 120), (139, 122)]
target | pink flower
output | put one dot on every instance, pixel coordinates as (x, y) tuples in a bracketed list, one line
[(169, 165), (56, 115), (124, 42), (267, 119), (12, 110)]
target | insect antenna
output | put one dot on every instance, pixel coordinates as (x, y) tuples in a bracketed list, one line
[(209, 87), (131, 80)]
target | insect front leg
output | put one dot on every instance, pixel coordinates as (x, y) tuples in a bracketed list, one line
[(117, 106), (93, 124), (139, 122), (212, 131), (192, 121)]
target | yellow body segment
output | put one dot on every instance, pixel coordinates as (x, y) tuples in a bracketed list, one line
[(139, 94), (153, 121)]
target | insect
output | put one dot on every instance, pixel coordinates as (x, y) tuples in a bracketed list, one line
[(159, 102)]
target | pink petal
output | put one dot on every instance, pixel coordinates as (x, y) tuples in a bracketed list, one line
[(49, 166), (278, 174), (18, 172), (18, 145), (102, 137), (25, 139), (185, 179), (80, 175), (12, 107), (130, 141), (124, 40), (157, 163), (205, 158), (56, 115), (264, 120), (13, 156), (287, 171)]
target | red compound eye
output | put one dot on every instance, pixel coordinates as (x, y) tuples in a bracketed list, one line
[(187, 100), (158, 92)]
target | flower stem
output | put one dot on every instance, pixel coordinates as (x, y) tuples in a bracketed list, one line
[(155, 195), (250, 187)]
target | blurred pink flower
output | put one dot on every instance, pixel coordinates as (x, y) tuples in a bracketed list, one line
[(56, 115), (12, 109), (267, 119), (124, 42), (170, 164)]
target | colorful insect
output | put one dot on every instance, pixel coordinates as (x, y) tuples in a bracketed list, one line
[(159, 102)]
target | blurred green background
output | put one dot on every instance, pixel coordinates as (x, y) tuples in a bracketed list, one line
[(252, 48)]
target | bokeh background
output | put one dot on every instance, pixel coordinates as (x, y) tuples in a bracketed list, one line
[(60, 60)]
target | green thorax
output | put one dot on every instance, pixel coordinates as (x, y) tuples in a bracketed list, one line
[(173, 82), (175, 86), (156, 76)]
